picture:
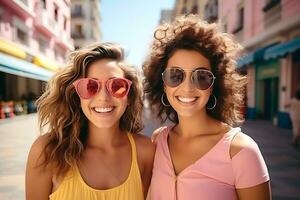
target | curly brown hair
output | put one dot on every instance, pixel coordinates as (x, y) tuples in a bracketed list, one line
[(191, 33), (59, 106)]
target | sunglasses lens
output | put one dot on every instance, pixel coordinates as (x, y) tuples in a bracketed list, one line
[(173, 77), (87, 88), (202, 79), (119, 87)]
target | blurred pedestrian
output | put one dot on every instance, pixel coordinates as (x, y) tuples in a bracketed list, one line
[(294, 106), (191, 80), (92, 148)]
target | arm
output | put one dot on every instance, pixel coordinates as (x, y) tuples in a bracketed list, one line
[(146, 151), (38, 180), (252, 179), (258, 192)]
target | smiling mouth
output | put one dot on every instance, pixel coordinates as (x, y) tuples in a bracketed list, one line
[(187, 99), (103, 109)]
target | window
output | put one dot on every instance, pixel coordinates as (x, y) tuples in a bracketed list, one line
[(78, 29), (22, 36), (55, 12), (77, 10), (44, 4), (240, 22), (59, 54), (195, 9), (21, 33), (225, 27), (43, 44), (241, 18), (270, 4), (65, 23), (77, 33), (211, 11)]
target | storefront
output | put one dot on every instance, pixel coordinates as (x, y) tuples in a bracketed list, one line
[(289, 53), (21, 82), (267, 80)]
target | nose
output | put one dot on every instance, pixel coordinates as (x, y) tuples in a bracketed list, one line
[(187, 84), (102, 94)]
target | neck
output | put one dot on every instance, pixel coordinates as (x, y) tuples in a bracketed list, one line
[(104, 137), (200, 124)]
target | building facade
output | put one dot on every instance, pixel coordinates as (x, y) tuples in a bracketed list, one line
[(85, 23), (34, 40), (206, 9), (270, 32)]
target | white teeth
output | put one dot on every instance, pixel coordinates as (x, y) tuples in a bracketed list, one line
[(103, 110), (187, 100)]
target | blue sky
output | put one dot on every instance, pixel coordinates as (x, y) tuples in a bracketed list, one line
[(131, 23)]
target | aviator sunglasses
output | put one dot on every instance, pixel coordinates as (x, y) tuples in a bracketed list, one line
[(86, 88), (202, 79)]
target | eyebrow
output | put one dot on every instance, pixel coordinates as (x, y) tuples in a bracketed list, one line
[(191, 69)]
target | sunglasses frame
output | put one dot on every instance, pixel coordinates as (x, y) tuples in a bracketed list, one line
[(107, 83), (184, 76)]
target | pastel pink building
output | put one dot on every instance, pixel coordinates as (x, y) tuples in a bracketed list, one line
[(270, 32), (35, 37)]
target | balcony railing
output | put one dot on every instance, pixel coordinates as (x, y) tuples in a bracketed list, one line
[(77, 35), (77, 14)]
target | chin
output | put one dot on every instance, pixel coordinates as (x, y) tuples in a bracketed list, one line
[(103, 124)]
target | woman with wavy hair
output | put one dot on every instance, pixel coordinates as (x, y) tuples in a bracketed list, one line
[(92, 148), (190, 79)]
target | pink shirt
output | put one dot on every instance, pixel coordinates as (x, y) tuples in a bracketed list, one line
[(214, 176)]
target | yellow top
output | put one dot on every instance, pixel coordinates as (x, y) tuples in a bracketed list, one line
[(73, 187)]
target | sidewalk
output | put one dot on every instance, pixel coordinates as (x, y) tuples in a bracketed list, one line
[(282, 159), (17, 135)]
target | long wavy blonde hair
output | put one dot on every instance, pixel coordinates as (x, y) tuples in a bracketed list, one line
[(59, 107)]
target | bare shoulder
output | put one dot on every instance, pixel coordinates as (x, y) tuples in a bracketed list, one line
[(144, 144), (37, 148), (156, 132), (239, 142), (38, 178), (145, 151)]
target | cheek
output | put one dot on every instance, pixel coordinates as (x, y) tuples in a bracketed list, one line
[(84, 106), (168, 93)]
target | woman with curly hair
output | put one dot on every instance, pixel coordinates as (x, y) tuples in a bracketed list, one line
[(92, 148), (190, 79)]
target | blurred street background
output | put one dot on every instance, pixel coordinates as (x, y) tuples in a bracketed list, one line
[(37, 35)]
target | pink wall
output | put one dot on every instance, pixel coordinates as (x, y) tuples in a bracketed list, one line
[(253, 16), (290, 8), (11, 10)]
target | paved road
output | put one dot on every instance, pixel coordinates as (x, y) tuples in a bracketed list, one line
[(283, 160), (16, 137)]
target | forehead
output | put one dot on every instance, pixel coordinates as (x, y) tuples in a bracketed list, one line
[(104, 69), (188, 59)]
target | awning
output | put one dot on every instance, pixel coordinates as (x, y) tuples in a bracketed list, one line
[(13, 65), (255, 56), (12, 49), (282, 49), (46, 63), (245, 60)]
